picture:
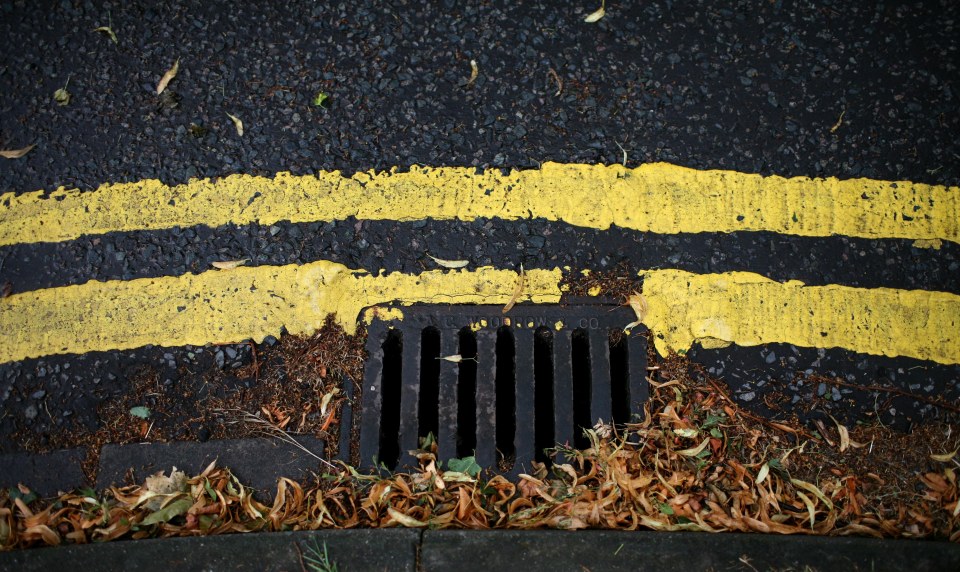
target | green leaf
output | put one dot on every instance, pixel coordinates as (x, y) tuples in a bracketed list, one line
[(666, 509), (140, 411), (172, 510), (26, 498), (209, 489), (320, 99), (426, 442), (713, 420), (716, 433), (466, 465)]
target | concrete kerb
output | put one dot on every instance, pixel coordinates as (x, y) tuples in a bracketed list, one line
[(466, 551)]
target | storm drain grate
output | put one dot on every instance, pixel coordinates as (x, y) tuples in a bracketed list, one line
[(523, 382)]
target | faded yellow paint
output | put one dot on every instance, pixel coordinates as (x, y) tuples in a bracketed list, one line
[(245, 303), (682, 308), (382, 313), (934, 243), (749, 310), (657, 197)]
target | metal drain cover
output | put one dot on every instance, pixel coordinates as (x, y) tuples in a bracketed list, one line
[(500, 387)]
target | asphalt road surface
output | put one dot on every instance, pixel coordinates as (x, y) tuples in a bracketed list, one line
[(791, 89)]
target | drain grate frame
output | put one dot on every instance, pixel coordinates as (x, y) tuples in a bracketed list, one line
[(405, 365)]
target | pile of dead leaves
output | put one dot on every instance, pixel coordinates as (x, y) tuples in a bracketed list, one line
[(696, 463)]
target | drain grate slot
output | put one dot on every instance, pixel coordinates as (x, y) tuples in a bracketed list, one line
[(580, 370), (467, 394), (543, 392), (524, 382), (505, 398)]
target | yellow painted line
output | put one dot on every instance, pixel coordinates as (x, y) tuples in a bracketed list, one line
[(251, 303), (656, 197), (749, 310), (233, 305)]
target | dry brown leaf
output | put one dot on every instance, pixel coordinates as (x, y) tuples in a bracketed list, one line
[(838, 123), (696, 450), (600, 13), (474, 73), (404, 520), (639, 305), (945, 457), (844, 435), (457, 358), (171, 73), (762, 475), (108, 31), (16, 153), (325, 400), (237, 123), (449, 263), (229, 264), (517, 291)]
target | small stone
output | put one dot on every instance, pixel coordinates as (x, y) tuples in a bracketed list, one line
[(31, 412), (748, 396), (821, 389), (38, 394), (771, 357)]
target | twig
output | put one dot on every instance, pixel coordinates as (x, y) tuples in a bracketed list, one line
[(275, 431), (300, 556)]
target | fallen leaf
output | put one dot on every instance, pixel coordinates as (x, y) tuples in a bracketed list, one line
[(811, 510), (237, 123), (696, 450), (945, 457), (838, 123), (171, 73), (7, 290), (108, 31), (449, 263), (474, 73), (61, 96), (320, 99), (686, 432), (172, 510), (844, 435), (595, 16), (813, 489), (140, 411), (639, 305), (16, 153), (517, 291), (229, 264), (325, 400), (457, 358), (407, 521), (762, 475)]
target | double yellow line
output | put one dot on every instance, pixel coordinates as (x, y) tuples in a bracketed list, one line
[(715, 309)]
